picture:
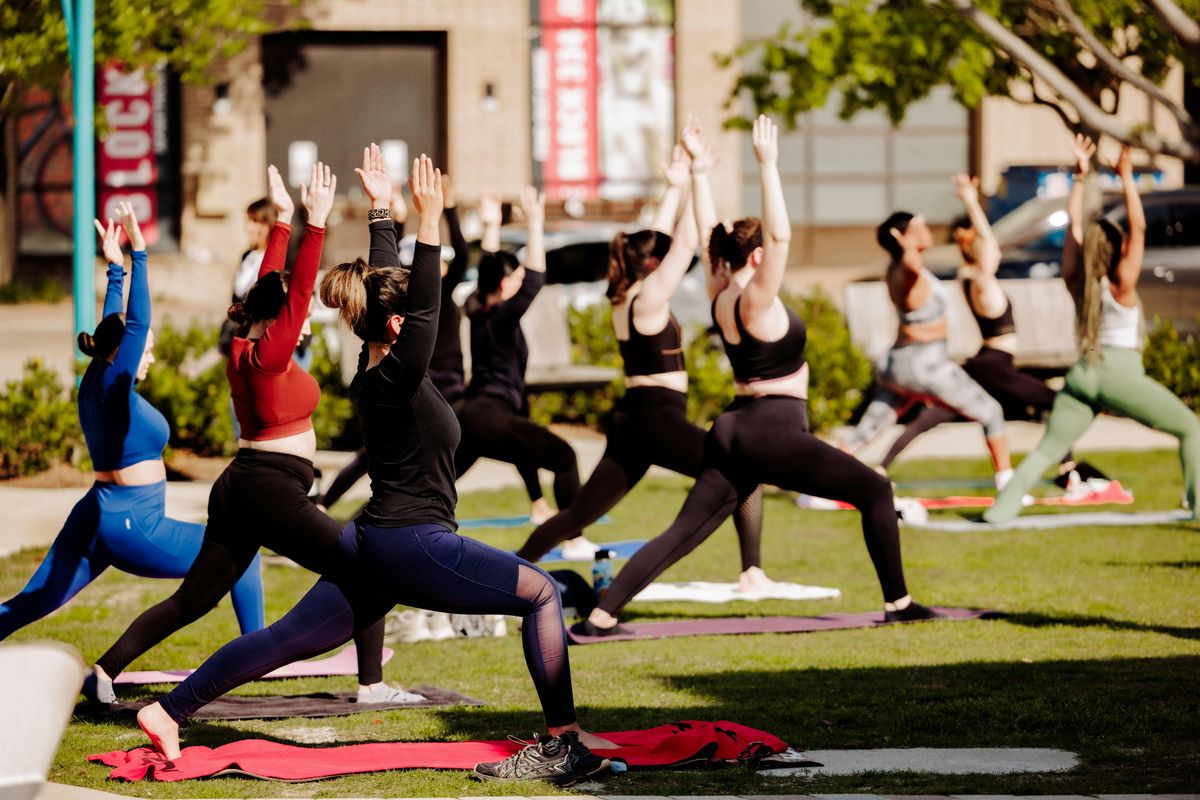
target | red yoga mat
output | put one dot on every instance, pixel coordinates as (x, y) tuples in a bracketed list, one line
[(1113, 494), (343, 662), (676, 744), (725, 626)]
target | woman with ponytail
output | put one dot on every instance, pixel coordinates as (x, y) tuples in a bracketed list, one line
[(494, 413), (122, 521), (762, 436), (261, 497), (403, 548), (649, 425), (1109, 375)]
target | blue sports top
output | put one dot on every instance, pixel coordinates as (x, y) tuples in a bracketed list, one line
[(121, 428)]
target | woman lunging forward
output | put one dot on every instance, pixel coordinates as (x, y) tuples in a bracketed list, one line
[(122, 520), (261, 497), (493, 414), (762, 436), (918, 367), (650, 425), (403, 548), (1109, 375)]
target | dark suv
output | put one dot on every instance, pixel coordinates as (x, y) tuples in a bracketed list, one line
[(1031, 240)]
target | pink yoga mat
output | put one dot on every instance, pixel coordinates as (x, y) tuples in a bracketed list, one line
[(680, 743), (344, 662), (725, 626), (1113, 494)]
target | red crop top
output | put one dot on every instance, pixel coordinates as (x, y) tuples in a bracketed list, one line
[(272, 396)]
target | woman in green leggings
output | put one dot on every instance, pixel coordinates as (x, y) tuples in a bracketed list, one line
[(1109, 375)]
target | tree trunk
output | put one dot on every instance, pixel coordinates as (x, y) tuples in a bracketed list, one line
[(9, 210)]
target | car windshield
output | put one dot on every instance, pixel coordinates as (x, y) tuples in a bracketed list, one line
[(1015, 225)]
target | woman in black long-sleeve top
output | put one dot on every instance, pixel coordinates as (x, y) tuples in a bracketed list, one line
[(403, 548), (492, 416)]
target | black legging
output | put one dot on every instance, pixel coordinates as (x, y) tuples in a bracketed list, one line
[(492, 428), (1018, 392), (426, 566), (649, 427), (763, 440), (260, 500)]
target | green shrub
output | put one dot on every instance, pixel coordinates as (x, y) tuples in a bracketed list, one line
[(332, 421), (839, 373), (196, 404), (592, 342), (41, 290), (39, 425), (1173, 360)]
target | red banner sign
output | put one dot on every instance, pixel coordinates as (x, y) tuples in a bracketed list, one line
[(127, 169), (566, 135)]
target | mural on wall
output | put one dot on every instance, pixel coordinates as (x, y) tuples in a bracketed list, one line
[(136, 160), (603, 96)]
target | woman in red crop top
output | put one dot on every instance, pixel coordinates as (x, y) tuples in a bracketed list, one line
[(261, 498), (650, 424)]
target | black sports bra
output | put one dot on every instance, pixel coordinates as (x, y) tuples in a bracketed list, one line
[(755, 360), (655, 354), (990, 328)]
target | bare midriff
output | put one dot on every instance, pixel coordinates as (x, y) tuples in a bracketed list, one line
[(794, 385), (302, 445), (677, 381), (142, 473)]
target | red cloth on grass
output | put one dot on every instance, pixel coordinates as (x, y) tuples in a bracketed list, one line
[(675, 744)]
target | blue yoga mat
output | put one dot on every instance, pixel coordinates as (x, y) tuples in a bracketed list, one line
[(622, 549), (507, 522)]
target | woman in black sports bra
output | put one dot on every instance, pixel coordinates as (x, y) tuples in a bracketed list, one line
[(649, 425), (762, 436)]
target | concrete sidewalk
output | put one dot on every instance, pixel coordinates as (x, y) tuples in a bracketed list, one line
[(33, 517)]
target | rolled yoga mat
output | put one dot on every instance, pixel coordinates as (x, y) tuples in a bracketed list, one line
[(1051, 521), (624, 549), (344, 662), (686, 743), (319, 704), (726, 626), (704, 592)]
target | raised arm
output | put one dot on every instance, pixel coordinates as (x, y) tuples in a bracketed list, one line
[(110, 237), (533, 203), (490, 214), (379, 190), (273, 353), (1083, 149), (660, 285), (399, 211), (987, 251), (137, 316), (702, 202), (408, 358), (763, 288), (273, 258), (1130, 266), (676, 176), (462, 250)]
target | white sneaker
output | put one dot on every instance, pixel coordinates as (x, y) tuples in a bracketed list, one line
[(816, 503), (579, 549), (386, 694), (910, 511), (439, 625), (406, 626)]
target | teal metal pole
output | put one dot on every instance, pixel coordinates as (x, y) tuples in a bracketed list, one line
[(84, 265), (69, 16)]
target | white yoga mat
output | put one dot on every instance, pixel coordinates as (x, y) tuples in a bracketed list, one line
[(940, 760), (704, 592), (1049, 521)]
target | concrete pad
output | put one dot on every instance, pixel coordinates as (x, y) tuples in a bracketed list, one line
[(940, 760), (63, 791)]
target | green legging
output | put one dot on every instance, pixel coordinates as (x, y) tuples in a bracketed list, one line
[(1116, 383)]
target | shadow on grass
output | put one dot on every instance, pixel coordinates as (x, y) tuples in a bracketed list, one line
[(1034, 620), (1153, 564)]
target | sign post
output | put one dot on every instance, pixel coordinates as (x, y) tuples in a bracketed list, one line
[(80, 15)]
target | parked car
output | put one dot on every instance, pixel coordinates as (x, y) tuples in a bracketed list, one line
[(1031, 240)]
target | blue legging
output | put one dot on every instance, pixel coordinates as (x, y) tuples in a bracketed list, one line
[(125, 527), (426, 566)]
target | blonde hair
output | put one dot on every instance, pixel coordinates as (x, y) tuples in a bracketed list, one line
[(1101, 253), (345, 288)]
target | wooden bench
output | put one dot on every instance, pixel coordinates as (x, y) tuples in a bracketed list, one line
[(550, 368), (1042, 309)]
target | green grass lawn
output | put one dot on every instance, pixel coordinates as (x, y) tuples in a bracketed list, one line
[(1099, 654)]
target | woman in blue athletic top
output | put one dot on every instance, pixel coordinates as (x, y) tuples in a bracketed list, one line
[(121, 521)]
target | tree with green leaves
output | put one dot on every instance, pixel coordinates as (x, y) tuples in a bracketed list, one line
[(187, 35), (1071, 56)]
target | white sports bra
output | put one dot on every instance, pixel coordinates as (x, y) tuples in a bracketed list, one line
[(1120, 326)]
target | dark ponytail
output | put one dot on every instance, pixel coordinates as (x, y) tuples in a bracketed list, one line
[(493, 268), (264, 301), (105, 340), (632, 257), (883, 234), (366, 297), (731, 248)]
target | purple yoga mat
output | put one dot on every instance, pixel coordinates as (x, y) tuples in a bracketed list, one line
[(344, 662), (725, 626)]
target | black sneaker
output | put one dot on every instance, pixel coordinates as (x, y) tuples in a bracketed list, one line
[(913, 612), (561, 760), (586, 628)]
